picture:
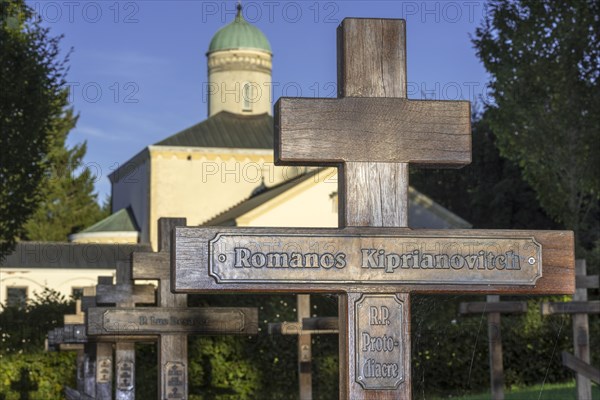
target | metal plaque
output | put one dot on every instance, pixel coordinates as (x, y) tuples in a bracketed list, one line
[(358, 259), (160, 320), (103, 370), (174, 380), (379, 342), (125, 374)]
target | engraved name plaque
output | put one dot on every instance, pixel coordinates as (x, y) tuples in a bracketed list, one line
[(379, 344), (104, 370), (174, 380), (125, 375), (152, 320), (359, 259)]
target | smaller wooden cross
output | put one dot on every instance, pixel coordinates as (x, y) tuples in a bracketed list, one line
[(493, 307), (319, 326), (171, 320), (579, 308), (71, 337), (98, 356), (24, 385)]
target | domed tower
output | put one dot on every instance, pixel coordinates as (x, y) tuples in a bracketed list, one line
[(239, 69)]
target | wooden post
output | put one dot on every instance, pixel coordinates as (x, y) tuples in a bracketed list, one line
[(305, 327), (98, 359), (24, 385), (581, 340), (373, 194), (172, 349), (493, 307), (77, 323), (124, 351), (580, 307), (304, 350), (495, 350)]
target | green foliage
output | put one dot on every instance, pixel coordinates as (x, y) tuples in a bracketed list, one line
[(32, 106), (543, 58), (490, 192), (68, 202), (450, 352), (49, 371), (263, 366), (24, 330), (548, 391)]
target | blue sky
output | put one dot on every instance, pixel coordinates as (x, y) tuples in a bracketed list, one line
[(138, 68)]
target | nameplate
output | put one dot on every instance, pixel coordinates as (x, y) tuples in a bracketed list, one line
[(156, 321), (373, 259), (379, 342)]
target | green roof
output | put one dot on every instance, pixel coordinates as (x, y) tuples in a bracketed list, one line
[(227, 130), (239, 34), (121, 221)]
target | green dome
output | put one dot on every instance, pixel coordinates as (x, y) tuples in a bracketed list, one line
[(239, 34)]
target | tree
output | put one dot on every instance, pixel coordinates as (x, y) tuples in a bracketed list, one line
[(32, 103), (490, 193), (543, 59), (68, 202)]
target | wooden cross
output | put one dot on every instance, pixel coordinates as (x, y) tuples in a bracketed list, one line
[(71, 337), (372, 133), (580, 307), (123, 294), (97, 381), (24, 385), (171, 321), (301, 328), (493, 307)]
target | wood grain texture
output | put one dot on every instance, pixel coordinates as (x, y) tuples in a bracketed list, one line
[(89, 371), (308, 326), (581, 334), (349, 388), (391, 130), (118, 322), (571, 307), (373, 194), (495, 351), (171, 349), (104, 354), (371, 58), (304, 350), (124, 380), (581, 367), (483, 307), (165, 226), (121, 293), (328, 324), (587, 281), (190, 262)]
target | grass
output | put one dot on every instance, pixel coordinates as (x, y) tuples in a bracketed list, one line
[(554, 391)]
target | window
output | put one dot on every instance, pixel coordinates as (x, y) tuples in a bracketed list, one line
[(247, 97), (16, 297)]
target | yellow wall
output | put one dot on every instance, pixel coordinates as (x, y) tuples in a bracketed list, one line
[(200, 183), (229, 71), (36, 279), (312, 203)]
